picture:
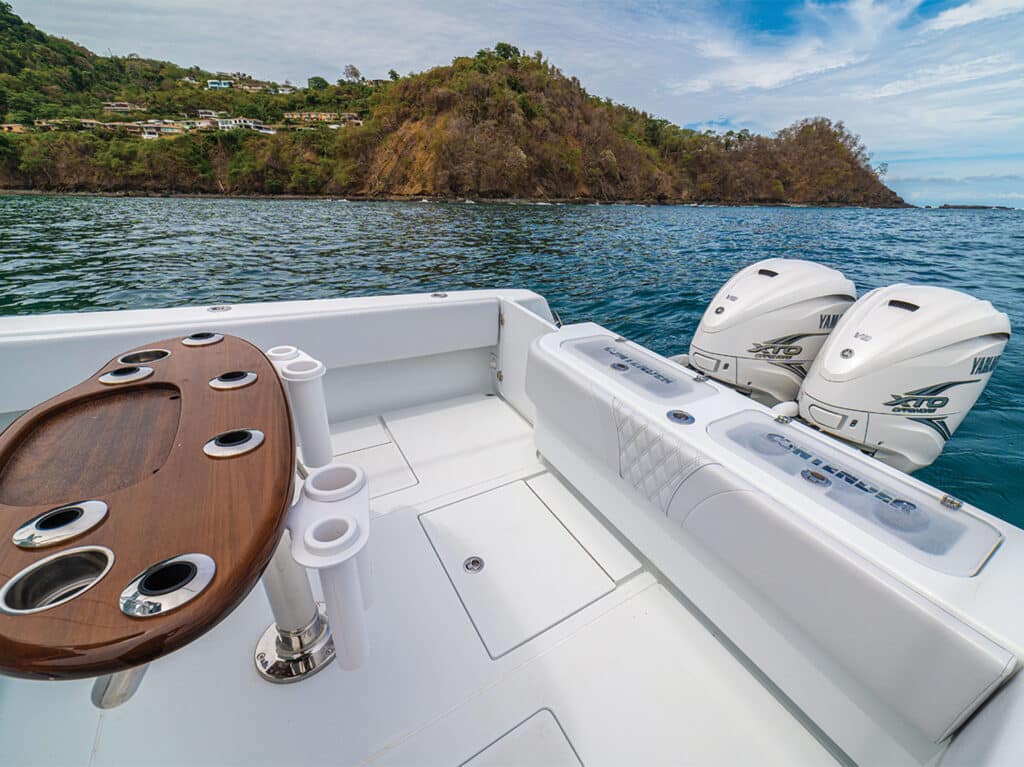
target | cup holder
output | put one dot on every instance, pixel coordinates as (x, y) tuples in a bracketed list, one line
[(167, 585), (55, 580), (143, 356), (126, 374), (233, 443), (60, 524), (204, 338), (234, 379)]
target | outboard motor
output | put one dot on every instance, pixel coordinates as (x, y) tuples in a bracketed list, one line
[(765, 326), (901, 370)]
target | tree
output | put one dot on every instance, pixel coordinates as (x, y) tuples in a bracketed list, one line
[(352, 73), (506, 51), (393, 75), (317, 83)]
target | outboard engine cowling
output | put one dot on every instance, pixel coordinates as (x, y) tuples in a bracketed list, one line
[(766, 324), (901, 370)]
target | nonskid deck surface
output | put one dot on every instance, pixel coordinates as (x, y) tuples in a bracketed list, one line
[(560, 650)]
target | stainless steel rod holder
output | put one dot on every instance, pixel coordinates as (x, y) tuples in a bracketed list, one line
[(298, 643)]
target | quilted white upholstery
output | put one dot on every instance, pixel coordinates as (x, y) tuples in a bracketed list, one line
[(650, 459)]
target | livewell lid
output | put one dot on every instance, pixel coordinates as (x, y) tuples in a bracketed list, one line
[(894, 511)]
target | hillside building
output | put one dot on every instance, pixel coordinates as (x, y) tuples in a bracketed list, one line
[(121, 107)]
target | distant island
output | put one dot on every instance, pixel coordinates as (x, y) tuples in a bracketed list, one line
[(501, 124)]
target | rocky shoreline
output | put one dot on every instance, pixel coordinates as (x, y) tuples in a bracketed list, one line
[(446, 200)]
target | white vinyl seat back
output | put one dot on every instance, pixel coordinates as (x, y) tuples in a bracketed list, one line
[(926, 665)]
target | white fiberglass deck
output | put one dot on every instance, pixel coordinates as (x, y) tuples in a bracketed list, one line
[(562, 650)]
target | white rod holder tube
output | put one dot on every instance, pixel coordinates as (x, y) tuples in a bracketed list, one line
[(112, 690), (303, 377), (330, 526), (344, 599), (365, 577)]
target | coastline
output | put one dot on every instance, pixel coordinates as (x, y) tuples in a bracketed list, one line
[(681, 202)]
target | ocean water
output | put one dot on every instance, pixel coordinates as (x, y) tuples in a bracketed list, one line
[(646, 272)]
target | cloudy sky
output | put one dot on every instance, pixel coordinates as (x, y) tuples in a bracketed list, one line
[(934, 87)]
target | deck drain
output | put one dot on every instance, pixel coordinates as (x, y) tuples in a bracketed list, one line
[(473, 565)]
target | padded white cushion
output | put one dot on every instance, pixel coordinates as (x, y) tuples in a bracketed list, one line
[(926, 665), (650, 459)]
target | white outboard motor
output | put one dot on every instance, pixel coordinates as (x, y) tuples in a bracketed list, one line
[(901, 370), (765, 326)]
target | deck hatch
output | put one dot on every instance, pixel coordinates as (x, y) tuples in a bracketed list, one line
[(536, 573)]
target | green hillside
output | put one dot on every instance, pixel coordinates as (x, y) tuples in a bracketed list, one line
[(497, 124)]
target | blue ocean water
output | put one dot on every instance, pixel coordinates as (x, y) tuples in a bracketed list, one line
[(646, 272)]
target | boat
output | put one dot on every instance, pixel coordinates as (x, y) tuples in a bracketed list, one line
[(483, 537)]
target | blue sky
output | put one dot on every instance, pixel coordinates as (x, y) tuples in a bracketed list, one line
[(935, 88)]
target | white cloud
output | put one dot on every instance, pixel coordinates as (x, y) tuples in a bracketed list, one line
[(767, 71), (974, 10), (833, 36), (942, 75)]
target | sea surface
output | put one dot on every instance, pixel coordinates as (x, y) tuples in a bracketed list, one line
[(646, 272)]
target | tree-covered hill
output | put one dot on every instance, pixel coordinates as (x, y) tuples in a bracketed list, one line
[(497, 124)]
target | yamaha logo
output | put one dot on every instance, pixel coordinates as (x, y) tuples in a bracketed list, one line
[(828, 321), (982, 365)]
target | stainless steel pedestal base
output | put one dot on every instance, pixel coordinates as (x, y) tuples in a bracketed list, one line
[(283, 657)]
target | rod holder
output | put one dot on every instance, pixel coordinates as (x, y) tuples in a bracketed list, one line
[(330, 526), (303, 378), (327, 529), (111, 690), (298, 643)]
